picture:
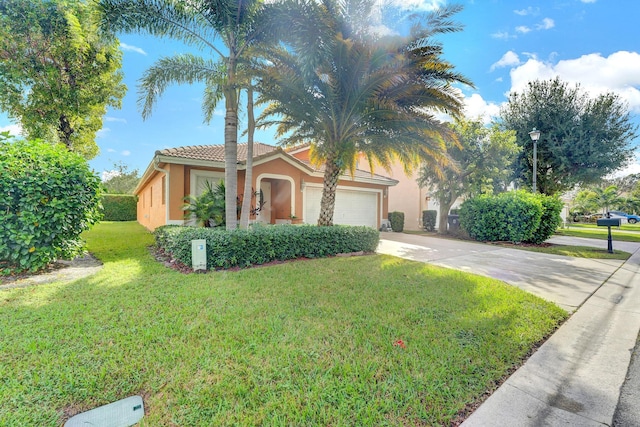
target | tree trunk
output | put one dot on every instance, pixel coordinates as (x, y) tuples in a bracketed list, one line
[(328, 202), (230, 162), (444, 220), (231, 148), (248, 175), (64, 131)]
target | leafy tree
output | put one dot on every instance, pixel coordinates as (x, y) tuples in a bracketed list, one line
[(48, 198), (121, 180), (582, 139), (482, 165), (626, 184), (58, 72), (630, 205), (345, 90), (584, 202), (198, 23)]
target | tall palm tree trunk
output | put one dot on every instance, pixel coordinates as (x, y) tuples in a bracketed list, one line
[(231, 143), (248, 176), (328, 201), (231, 158)]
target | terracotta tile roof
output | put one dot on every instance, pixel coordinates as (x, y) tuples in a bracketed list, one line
[(215, 153), (358, 173)]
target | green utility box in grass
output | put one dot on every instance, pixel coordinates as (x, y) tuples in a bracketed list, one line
[(199, 254)]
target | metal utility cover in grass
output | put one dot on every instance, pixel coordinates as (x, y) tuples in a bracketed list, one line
[(123, 413)]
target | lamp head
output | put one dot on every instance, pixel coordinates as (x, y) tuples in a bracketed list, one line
[(534, 134)]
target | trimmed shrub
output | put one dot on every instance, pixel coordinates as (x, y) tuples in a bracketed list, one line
[(262, 244), (429, 220), (550, 220), (48, 197), (397, 221), (511, 217), (119, 207)]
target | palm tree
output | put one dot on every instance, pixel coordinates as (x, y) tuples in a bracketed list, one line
[(198, 23), (208, 209), (606, 197), (344, 94)]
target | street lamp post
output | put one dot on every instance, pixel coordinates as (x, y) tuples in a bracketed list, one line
[(535, 135)]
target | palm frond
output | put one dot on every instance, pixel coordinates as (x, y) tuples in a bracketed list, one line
[(179, 69)]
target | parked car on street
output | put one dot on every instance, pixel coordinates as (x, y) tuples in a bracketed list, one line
[(631, 218)]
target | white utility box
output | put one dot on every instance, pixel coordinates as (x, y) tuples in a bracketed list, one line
[(199, 254)]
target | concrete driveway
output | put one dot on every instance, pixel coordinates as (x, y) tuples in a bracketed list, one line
[(565, 281)]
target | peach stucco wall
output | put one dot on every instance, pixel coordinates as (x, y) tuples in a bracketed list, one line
[(153, 213), (406, 196)]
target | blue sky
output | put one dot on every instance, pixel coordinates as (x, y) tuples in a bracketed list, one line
[(505, 44)]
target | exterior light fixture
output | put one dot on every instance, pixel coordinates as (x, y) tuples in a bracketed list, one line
[(535, 136)]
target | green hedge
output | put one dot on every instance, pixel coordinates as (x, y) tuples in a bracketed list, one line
[(550, 220), (397, 221), (263, 244), (49, 197), (429, 220), (509, 217), (119, 207), (516, 216)]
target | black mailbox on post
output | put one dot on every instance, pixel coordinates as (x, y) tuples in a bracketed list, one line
[(609, 222)]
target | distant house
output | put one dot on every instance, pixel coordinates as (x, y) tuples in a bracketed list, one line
[(289, 185), (407, 196)]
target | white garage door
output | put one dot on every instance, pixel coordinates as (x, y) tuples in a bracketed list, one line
[(352, 207)]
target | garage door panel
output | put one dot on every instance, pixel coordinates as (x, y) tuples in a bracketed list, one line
[(352, 207)]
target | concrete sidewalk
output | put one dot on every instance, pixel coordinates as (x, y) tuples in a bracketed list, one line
[(575, 378)]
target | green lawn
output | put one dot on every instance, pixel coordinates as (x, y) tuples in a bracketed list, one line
[(302, 343), (624, 234), (624, 227)]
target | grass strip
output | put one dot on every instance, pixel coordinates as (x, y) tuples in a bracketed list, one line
[(573, 251), (600, 233)]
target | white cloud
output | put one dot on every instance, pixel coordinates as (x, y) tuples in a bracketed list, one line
[(523, 29), (114, 119), (102, 132), (633, 167), (528, 11), (618, 73), (508, 59), (14, 129), (382, 30), (477, 108), (502, 35), (126, 153), (546, 24), (425, 5), (130, 48), (110, 150), (219, 112), (588, 1), (107, 175)]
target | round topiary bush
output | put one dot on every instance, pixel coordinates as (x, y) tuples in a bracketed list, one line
[(48, 196)]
